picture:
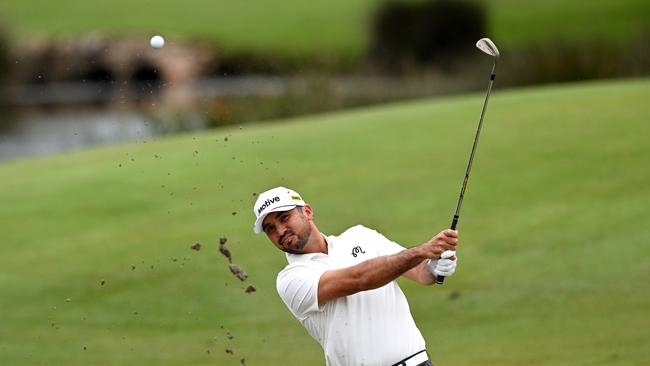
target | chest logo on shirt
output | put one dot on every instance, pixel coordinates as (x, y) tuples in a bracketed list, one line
[(356, 250)]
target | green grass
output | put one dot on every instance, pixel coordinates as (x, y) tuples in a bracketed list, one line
[(315, 28), (554, 228)]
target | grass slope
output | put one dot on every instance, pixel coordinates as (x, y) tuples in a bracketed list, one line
[(302, 28), (554, 226)]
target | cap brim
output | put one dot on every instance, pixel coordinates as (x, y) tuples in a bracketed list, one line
[(257, 227)]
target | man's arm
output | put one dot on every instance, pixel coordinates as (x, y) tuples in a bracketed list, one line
[(377, 272), (420, 274), (423, 272)]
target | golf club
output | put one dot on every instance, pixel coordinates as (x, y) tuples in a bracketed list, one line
[(488, 47)]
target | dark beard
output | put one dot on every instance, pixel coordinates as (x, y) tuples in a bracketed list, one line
[(300, 243)]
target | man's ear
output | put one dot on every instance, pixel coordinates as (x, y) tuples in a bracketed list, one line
[(308, 211)]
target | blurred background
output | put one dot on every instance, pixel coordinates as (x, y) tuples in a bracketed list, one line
[(76, 74), (124, 167)]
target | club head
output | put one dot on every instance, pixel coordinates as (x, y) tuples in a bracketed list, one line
[(488, 47)]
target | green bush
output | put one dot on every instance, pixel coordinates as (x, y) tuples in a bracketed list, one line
[(424, 32), (560, 61), (4, 53)]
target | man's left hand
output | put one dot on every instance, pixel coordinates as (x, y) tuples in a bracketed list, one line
[(445, 266)]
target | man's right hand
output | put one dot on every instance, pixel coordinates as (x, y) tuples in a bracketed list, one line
[(445, 240)]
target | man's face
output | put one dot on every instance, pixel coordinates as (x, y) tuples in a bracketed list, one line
[(289, 230)]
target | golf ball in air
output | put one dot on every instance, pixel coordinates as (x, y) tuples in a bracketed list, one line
[(157, 42)]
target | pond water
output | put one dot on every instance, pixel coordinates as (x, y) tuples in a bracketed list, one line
[(39, 133)]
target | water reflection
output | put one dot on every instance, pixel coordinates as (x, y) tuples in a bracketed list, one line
[(42, 133)]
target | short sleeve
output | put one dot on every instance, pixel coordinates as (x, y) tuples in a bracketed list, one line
[(297, 285)]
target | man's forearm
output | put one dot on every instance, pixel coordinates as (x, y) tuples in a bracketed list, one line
[(377, 272)]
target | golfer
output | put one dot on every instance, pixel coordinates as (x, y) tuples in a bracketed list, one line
[(343, 289)]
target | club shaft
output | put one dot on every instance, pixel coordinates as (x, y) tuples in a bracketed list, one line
[(471, 155), (440, 279)]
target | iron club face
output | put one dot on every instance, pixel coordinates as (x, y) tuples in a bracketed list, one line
[(488, 47)]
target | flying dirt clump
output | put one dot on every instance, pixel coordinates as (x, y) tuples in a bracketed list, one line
[(196, 246), (224, 249), (235, 269), (250, 289), (238, 272)]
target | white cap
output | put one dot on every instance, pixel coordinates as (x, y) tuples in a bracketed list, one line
[(274, 200)]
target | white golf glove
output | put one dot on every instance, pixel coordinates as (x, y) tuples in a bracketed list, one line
[(444, 266)]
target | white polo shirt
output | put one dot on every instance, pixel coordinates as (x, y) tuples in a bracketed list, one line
[(371, 328)]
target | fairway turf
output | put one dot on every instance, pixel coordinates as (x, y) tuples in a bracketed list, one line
[(554, 233), (315, 28)]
